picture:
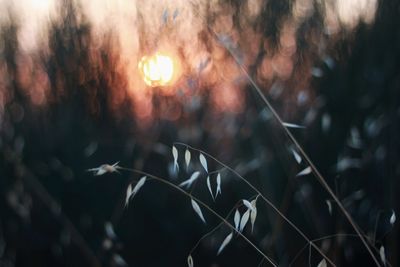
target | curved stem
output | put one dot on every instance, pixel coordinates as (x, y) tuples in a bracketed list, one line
[(216, 227), (302, 152), (212, 231), (202, 204), (266, 200), (314, 169)]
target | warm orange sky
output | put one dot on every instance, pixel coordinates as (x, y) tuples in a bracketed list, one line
[(143, 27)]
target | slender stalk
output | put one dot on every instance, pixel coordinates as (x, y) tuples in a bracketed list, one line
[(202, 204), (215, 228), (303, 153), (266, 200)]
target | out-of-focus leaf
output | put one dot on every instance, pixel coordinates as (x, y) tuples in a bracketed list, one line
[(203, 162), (197, 209), (253, 214), (322, 263), (218, 185), (292, 125), (296, 156), (175, 155), (190, 181), (187, 158), (393, 218), (236, 220), (209, 187), (138, 186), (244, 220), (190, 261), (225, 243), (305, 171), (248, 204), (383, 255)]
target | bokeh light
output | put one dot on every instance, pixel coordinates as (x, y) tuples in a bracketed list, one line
[(157, 70)]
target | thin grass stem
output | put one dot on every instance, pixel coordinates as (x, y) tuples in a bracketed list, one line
[(172, 185), (266, 200)]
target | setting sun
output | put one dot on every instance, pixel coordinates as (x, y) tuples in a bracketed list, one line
[(157, 70)]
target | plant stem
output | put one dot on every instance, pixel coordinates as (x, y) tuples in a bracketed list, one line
[(202, 204), (266, 200), (303, 153)]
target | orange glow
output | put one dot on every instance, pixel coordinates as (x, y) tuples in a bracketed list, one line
[(157, 70)]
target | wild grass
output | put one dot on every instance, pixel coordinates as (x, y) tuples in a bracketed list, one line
[(239, 223), (251, 212), (202, 168), (311, 167), (185, 151)]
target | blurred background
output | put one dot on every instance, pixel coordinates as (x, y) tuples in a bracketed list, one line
[(73, 97)]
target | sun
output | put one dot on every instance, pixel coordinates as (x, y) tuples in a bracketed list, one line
[(157, 70)]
